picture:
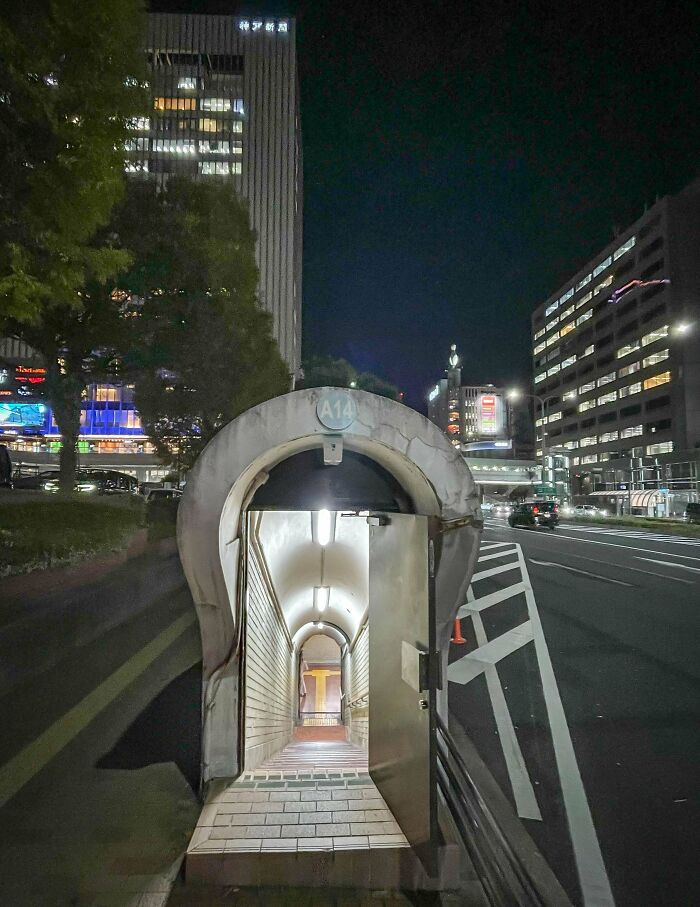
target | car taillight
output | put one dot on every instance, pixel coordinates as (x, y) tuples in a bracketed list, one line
[(535, 509), (556, 508)]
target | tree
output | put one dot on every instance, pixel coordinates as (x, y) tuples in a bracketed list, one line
[(201, 349), (326, 371), (71, 78)]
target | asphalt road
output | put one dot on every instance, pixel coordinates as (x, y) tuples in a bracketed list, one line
[(603, 741), (99, 750)]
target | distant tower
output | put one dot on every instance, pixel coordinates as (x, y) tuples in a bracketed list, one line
[(454, 373)]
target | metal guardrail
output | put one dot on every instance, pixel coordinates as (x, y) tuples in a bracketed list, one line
[(505, 879), (319, 719)]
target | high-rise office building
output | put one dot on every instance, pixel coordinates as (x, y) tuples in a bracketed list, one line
[(225, 103), (476, 418), (616, 353)]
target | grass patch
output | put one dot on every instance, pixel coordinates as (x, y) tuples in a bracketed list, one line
[(48, 531), (670, 527)]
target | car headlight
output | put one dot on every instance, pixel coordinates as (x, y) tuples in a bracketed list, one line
[(86, 486), (50, 486)]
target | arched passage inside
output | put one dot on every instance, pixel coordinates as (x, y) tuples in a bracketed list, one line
[(248, 529)]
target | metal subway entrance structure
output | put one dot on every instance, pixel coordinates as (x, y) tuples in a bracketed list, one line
[(405, 536)]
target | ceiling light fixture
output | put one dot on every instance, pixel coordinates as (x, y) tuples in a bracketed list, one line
[(321, 597), (323, 526)]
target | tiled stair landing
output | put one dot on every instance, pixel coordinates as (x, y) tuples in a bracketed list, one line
[(323, 823)]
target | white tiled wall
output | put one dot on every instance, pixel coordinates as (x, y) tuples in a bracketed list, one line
[(358, 719)]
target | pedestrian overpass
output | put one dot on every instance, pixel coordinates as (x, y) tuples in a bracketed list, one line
[(336, 522)]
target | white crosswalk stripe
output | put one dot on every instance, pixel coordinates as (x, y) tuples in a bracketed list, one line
[(632, 534), (484, 661)]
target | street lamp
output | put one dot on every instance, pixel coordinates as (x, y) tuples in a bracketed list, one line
[(516, 394), (682, 327)]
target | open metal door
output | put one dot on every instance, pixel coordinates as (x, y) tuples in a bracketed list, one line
[(403, 676)]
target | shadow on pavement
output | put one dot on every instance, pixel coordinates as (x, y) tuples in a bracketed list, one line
[(169, 730)]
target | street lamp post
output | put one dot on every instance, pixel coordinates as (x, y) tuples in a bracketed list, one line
[(543, 401)]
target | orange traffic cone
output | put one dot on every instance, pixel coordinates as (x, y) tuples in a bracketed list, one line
[(457, 637)]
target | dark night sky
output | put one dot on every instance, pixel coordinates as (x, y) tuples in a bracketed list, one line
[(462, 160)]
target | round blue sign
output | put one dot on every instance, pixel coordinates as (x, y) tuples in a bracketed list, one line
[(336, 410)]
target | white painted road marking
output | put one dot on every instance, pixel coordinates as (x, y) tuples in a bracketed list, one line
[(686, 557), (592, 874), (484, 574), (37, 754), (595, 885), (605, 579), (633, 534), (675, 579), (668, 564)]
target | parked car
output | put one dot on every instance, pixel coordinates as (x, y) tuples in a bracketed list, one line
[(35, 480), (692, 513), (535, 513), (98, 481), (589, 510), (162, 494)]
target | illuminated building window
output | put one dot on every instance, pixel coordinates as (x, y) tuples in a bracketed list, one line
[(140, 124), (588, 351), (655, 358), (602, 266), (236, 168), (553, 338), (174, 104), (553, 323), (628, 348), (657, 334), (567, 329), (136, 167), (567, 362), (625, 247), (584, 317), (553, 370), (632, 431), (586, 405), (209, 124), (133, 420), (187, 82), (606, 379), (574, 461), (453, 417), (175, 146), (218, 104), (539, 333), (588, 442), (566, 313), (630, 389), (601, 286), (663, 447), (656, 380), (629, 369), (538, 348), (106, 393), (453, 429), (582, 283), (541, 377), (555, 417), (585, 388), (551, 308), (607, 398), (609, 436), (136, 145), (212, 146), (585, 298), (218, 168)]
